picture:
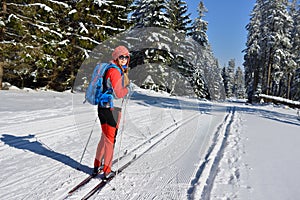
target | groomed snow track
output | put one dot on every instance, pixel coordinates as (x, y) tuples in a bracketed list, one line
[(202, 183)]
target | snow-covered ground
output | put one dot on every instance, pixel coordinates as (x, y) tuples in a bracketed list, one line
[(185, 148)]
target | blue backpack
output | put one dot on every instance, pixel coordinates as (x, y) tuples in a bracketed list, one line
[(95, 93)]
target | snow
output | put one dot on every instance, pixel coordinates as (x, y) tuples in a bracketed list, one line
[(57, 33), (89, 39), (49, 58), (72, 12), (45, 7), (2, 23), (185, 148), (109, 27), (43, 28), (280, 99), (14, 16), (60, 3), (64, 42), (83, 28), (102, 2)]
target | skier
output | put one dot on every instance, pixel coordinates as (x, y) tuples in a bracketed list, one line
[(110, 116)]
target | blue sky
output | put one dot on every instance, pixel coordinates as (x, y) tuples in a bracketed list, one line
[(226, 27)]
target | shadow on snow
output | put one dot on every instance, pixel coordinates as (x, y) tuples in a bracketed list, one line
[(24, 143), (172, 102)]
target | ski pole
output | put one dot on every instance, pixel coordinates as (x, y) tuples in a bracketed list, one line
[(121, 137), (87, 142), (123, 125)]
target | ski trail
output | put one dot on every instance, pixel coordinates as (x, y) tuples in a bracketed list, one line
[(227, 183), (162, 169), (202, 183)]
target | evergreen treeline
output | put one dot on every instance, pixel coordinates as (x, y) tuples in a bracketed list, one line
[(233, 79), (44, 42), (272, 56)]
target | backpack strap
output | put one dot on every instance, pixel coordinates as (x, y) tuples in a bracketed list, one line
[(107, 94), (106, 68)]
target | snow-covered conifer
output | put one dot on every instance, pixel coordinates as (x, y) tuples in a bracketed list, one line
[(268, 66), (150, 13), (199, 27), (177, 13), (239, 86)]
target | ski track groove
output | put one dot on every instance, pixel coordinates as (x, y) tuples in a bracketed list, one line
[(202, 182)]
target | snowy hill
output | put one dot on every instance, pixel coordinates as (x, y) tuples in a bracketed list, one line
[(185, 148)]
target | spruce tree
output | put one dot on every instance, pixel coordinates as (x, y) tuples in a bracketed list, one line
[(252, 66), (150, 13), (45, 42), (239, 86), (268, 54), (156, 59), (199, 26), (177, 13), (225, 79), (230, 74), (295, 86)]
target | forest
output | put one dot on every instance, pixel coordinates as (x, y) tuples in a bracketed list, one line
[(46, 43)]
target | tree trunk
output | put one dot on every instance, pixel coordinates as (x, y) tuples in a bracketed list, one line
[(2, 33), (4, 8), (1, 74), (270, 63), (288, 92)]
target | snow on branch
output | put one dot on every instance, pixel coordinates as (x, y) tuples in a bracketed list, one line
[(86, 51), (72, 12), (8, 42), (13, 16), (43, 28), (89, 39), (60, 3), (57, 33), (102, 2), (118, 6), (97, 17), (83, 28), (43, 6), (110, 27)]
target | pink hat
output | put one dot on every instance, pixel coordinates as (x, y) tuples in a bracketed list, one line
[(119, 51)]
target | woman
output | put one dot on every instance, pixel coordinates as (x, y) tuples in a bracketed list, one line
[(117, 80)]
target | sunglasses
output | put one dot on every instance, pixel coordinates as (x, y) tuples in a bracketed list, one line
[(123, 57)]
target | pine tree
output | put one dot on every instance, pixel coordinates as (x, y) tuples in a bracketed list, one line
[(230, 73), (177, 13), (268, 53), (2, 33), (150, 13), (154, 56), (199, 26), (50, 39), (239, 86), (253, 71), (215, 81), (295, 86), (225, 79)]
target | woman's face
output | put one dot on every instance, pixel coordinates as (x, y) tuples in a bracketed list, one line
[(122, 60)]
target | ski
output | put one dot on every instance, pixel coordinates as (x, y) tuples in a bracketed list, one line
[(105, 181), (82, 183), (86, 180)]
